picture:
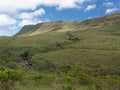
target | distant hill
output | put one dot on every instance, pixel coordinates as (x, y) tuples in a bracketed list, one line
[(40, 28), (64, 26)]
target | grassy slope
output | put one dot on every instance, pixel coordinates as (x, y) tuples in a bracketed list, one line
[(99, 44), (99, 41), (60, 26), (96, 46)]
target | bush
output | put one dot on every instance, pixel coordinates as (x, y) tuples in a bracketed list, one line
[(66, 68), (12, 65), (44, 79), (24, 55), (98, 84), (72, 37), (67, 87), (44, 65), (8, 78), (113, 81), (2, 68), (55, 46), (71, 79), (86, 79)]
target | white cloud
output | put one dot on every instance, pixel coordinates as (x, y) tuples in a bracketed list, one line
[(64, 4), (89, 17), (90, 7), (39, 12), (31, 15), (6, 20), (26, 15), (14, 6), (108, 11), (28, 22), (108, 4), (28, 18)]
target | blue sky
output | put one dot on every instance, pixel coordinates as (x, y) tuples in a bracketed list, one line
[(14, 14)]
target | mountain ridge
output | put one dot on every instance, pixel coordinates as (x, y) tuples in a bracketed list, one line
[(63, 26)]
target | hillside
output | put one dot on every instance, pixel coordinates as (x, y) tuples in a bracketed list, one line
[(65, 26), (77, 55), (60, 26), (88, 41)]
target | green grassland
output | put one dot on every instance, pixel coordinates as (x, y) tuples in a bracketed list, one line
[(66, 55)]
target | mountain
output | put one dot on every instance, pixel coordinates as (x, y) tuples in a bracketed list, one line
[(64, 26), (40, 28)]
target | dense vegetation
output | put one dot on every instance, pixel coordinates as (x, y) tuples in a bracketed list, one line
[(84, 56)]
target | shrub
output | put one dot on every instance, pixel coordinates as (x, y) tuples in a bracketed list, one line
[(2, 68), (73, 38), (71, 79), (86, 79), (113, 81), (55, 46), (24, 55), (8, 78), (45, 65), (66, 68), (68, 87), (98, 84), (12, 65), (44, 79)]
